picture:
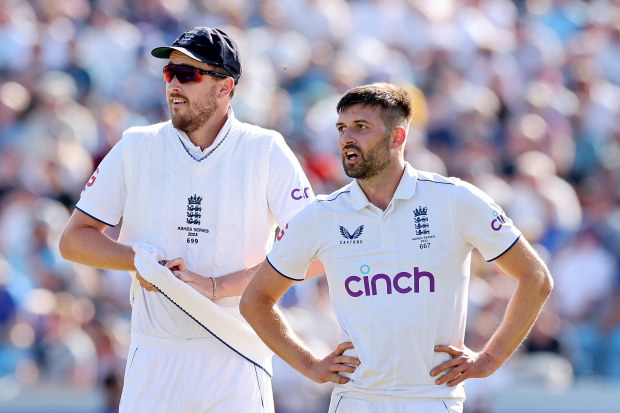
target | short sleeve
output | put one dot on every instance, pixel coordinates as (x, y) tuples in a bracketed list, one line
[(103, 197), (483, 224), (288, 189), (296, 245)]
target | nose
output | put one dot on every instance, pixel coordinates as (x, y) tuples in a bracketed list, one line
[(346, 137), (174, 84)]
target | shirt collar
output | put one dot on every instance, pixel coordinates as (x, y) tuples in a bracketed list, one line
[(405, 189), (198, 153)]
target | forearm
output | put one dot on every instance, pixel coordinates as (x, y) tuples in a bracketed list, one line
[(88, 246), (521, 313), (270, 324), (234, 284)]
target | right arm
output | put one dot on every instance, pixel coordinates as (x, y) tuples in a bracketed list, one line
[(258, 306), (83, 241), (229, 285)]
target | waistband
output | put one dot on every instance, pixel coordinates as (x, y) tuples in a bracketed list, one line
[(393, 398), (181, 345)]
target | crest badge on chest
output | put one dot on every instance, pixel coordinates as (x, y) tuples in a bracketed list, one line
[(193, 216), (422, 227)]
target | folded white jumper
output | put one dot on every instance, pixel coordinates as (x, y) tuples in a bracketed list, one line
[(234, 332)]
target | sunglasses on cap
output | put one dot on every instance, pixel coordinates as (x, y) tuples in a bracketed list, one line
[(185, 73)]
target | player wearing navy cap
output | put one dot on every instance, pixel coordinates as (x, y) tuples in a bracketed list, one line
[(201, 194), (396, 245)]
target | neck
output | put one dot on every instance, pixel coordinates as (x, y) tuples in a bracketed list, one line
[(206, 134), (380, 188)]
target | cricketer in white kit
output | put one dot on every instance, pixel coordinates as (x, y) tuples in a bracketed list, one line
[(396, 246), (397, 274), (219, 212), (217, 207)]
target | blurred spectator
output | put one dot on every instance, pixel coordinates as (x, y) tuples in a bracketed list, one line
[(579, 298)]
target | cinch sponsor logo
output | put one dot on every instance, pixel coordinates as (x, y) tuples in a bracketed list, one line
[(403, 282), (299, 193), (496, 224)]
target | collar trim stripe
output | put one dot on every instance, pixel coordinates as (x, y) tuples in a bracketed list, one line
[(209, 153)]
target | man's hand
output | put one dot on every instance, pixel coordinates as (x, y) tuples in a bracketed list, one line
[(328, 368), (465, 364), (204, 285), (146, 285)]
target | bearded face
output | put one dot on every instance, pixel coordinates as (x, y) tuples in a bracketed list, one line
[(370, 162), (190, 114)]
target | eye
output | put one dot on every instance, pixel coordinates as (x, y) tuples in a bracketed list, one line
[(341, 128)]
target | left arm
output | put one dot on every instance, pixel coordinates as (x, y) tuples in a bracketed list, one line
[(230, 285), (534, 284)]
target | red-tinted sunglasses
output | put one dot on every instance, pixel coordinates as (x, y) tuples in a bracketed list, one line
[(187, 73)]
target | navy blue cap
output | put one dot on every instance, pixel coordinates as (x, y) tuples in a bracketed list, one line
[(207, 45)]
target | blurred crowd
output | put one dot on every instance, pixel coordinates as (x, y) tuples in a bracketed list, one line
[(521, 98)]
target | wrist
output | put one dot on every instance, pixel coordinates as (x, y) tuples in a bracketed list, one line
[(310, 367), (493, 358), (214, 289)]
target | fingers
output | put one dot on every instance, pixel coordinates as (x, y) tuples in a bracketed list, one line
[(334, 365), (145, 284), (176, 264), (446, 365), (338, 379), (344, 368), (341, 363), (451, 350), (460, 378), (342, 347), (335, 376), (453, 376), (344, 363), (186, 276), (460, 367), (347, 360)]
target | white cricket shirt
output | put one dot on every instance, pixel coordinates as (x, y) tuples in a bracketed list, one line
[(398, 279), (217, 208)]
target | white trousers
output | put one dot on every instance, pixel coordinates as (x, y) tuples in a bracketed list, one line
[(343, 404), (192, 376)]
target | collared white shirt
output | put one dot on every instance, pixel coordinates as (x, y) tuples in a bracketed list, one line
[(218, 210), (398, 278)]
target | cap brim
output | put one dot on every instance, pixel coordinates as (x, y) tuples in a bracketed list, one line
[(165, 51)]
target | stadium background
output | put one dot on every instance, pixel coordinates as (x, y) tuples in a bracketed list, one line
[(521, 98)]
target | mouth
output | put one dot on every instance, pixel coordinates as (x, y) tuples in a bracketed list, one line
[(350, 155), (176, 101)]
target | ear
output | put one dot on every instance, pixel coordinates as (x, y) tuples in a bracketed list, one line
[(226, 85), (399, 134)]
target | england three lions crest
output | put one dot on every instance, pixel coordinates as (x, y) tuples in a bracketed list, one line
[(194, 209), (422, 227)]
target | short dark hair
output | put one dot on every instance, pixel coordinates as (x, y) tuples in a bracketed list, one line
[(395, 102)]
